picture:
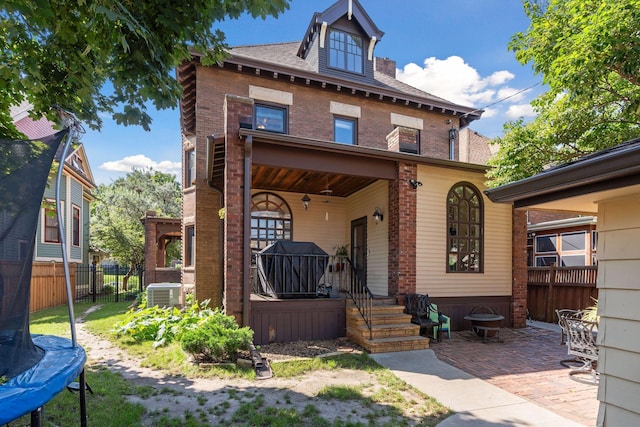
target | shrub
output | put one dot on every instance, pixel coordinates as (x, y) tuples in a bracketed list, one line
[(216, 338)]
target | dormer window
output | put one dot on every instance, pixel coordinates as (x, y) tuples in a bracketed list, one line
[(345, 51)]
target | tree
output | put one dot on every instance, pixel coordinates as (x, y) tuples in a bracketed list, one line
[(588, 53), (119, 207), (64, 52)]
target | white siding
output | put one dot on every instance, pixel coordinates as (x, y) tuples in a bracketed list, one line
[(361, 205), (311, 226), (619, 299), (431, 244)]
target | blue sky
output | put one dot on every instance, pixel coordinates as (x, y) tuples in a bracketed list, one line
[(455, 49)]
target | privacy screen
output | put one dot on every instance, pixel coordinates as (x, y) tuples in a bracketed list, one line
[(24, 169)]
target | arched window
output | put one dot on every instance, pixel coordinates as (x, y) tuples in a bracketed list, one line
[(465, 223), (270, 220)]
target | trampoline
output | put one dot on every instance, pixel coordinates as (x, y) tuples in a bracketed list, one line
[(33, 368)]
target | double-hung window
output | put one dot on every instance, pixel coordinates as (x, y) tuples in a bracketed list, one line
[(190, 246), (75, 226), (190, 169), (345, 51), (51, 231)]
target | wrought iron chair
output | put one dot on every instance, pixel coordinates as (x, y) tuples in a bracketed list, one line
[(581, 342), (563, 314)]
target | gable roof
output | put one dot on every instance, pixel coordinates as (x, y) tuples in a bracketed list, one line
[(352, 8), (76, 162)]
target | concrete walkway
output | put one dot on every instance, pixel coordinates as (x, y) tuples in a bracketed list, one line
[(475, 402)]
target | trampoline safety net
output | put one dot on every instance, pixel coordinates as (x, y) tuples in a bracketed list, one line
[(24, 169)]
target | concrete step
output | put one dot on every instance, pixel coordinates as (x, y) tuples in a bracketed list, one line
[(380, 309), (385, 331), (393, 344), (379, 319)]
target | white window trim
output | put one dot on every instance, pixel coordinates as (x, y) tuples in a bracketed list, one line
[(73, 207), (43, 217), (575, 251), (535, 244)]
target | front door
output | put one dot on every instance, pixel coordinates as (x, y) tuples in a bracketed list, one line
[(359, 247)]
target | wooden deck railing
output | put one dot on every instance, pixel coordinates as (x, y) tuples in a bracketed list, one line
[(551, 288)]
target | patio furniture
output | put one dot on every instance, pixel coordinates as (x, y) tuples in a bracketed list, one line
[(445, 321), (563, 315), (417, 305), (485, 322), (581, 342)]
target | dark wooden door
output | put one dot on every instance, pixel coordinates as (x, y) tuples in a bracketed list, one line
[(359, 246)]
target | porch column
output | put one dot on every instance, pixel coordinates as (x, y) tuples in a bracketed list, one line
[(519, 269), (402, 231), (234, 223)]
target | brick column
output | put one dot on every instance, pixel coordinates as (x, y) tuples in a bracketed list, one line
[(150, 248), (235, 107), (519, 269), (402, 231)]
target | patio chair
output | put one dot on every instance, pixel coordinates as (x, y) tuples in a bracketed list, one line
[(563, 315), (443, 321), (581, 342)]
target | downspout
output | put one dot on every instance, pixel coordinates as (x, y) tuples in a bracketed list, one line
[(246, 241)]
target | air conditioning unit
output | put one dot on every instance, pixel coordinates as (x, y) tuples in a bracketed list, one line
[(164, 294)]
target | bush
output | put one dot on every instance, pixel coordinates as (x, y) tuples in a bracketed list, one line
[(161, 325), (216, 338)]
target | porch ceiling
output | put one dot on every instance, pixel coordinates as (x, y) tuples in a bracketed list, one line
[(306, 181)]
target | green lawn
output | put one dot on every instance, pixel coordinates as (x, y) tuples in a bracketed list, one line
[(387, 397)]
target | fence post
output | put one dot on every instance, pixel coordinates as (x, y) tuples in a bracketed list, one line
[(94, 278), (552, 279), (117, 281)]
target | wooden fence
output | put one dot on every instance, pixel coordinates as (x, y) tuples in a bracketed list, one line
[(551, 288), (48, 286)]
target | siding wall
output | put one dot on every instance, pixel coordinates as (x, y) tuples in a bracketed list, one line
[(619, 299), (431, 243), (361, 205)]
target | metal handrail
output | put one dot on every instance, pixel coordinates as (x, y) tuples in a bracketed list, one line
[(361, 296)]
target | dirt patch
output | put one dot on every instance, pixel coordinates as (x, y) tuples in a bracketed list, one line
[(214, 401)]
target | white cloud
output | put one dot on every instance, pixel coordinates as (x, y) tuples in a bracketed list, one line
[(513, 95), (454, 80), (520, 110), (140, 161)]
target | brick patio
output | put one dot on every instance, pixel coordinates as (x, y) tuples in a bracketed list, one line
[(524, 362)]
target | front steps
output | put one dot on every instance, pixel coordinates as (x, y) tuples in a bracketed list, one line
[(391, 330)]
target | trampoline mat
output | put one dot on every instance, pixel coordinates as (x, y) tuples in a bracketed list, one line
[(60, 365)]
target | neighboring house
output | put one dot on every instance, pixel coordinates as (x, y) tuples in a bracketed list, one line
[(474, 147), (75, 194), (569, 242), (606, 183), (317, 141)]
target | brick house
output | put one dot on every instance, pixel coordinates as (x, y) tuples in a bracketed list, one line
[(317, 141)]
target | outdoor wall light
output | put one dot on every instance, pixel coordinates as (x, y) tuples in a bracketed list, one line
[(377, 215), (305, 201), (415, 184)]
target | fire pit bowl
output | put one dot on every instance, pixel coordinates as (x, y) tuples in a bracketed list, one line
[(484, 321)]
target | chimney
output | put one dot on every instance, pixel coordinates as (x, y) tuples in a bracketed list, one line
[(386, 66)]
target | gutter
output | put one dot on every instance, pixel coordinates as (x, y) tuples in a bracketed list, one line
[(616, 167), (246, 238)]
